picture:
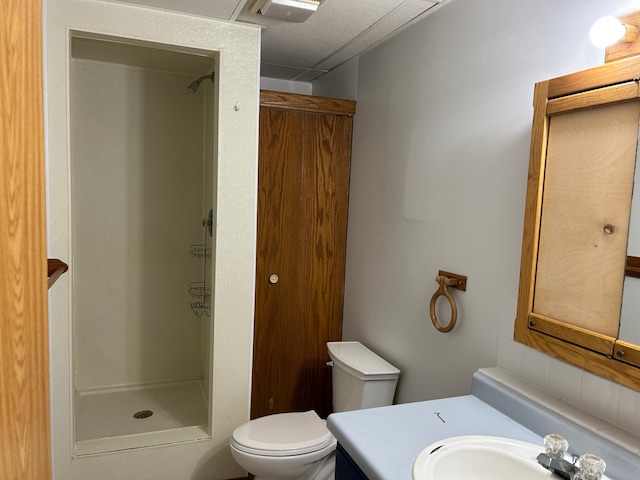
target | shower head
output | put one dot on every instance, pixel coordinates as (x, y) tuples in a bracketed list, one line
[(193, 86)]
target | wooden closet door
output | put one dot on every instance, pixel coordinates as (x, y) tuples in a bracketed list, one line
[(303, 184)]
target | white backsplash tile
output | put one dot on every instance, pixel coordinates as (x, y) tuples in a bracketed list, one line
[(629, 410), (535, 367), (606, 404), (599, 397), (565, 380)]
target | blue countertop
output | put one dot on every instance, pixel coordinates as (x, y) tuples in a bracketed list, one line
[(385, 441)]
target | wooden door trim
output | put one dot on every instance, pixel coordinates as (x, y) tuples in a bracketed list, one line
[(307, 103), (596, 77), (24, 344)]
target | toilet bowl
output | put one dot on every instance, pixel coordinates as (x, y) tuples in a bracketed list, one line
[(298, 445)]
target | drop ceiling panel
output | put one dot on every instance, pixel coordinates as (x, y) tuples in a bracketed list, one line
[(336, 32), (328, 29), (407, 12)]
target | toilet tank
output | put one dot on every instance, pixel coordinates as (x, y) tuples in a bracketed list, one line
[(361, 379)]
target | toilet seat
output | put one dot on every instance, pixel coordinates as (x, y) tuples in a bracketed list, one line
[(283, 434)]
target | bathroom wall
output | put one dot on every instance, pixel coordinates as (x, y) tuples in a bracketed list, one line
[(237, 48), (289, 86), (439, 173), (341, 82)]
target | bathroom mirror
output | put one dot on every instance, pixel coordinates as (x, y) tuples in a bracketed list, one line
[(579, 242), (630, 314)]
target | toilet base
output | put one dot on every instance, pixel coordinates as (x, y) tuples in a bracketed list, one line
[(289, 468)]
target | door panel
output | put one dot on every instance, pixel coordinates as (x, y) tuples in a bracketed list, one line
[(278, 335), (302, 205)]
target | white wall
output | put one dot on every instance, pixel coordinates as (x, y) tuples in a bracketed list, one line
[(289, 86), (237, 48), (341, 82), (439, 173)]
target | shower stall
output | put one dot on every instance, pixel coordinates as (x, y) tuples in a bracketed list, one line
[(151, 201), (142, 233)]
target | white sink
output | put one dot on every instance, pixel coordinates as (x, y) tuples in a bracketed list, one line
[(477, 457)]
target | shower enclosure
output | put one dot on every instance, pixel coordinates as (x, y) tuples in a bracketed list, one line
[(142, 203), (135, 163)]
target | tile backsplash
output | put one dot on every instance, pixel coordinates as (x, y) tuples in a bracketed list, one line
[(605, 407)]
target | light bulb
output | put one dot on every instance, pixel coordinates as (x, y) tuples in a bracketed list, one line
[(607, 31)]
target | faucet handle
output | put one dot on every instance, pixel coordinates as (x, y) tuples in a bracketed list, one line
[(555, 446), (591, 467)]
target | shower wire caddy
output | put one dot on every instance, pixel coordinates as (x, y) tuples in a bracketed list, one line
[(199, 251), (201, 308), (199, 290)]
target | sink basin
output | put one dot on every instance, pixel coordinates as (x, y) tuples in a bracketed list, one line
[(479, 457)]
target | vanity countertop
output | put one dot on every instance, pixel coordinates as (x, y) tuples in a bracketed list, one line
[(385, 441)]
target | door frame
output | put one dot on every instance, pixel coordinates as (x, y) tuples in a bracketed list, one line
[(24, 340)]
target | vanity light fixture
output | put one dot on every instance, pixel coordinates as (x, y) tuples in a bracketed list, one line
[(619, 36), (609, 30)]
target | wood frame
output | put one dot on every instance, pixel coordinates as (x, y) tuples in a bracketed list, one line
[(306, 103), (633, 267), (614, 82), (24, 342), (55, 268)]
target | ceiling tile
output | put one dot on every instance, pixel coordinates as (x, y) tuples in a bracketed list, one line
[(335, 23), (402, 16), (278, 71), (336, 32)]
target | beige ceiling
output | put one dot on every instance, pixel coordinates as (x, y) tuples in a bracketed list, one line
[(336, 32)]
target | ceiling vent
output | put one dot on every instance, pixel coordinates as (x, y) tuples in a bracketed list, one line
[(291, 10)]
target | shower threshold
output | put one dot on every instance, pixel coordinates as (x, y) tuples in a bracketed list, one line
[(132, 417)]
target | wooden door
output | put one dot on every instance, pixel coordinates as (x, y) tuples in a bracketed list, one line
[(24, 367), (303, 183)]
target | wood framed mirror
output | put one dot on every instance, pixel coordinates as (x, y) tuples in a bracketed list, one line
[(580, 218)]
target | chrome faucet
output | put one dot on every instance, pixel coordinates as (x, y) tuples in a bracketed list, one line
[(561, 467), (585, 467)]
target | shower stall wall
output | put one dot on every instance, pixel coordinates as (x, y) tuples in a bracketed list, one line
[(141, 193)]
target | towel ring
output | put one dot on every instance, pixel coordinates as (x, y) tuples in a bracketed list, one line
[(446, 280)]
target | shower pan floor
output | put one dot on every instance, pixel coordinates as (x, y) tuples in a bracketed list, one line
[(105, 419)]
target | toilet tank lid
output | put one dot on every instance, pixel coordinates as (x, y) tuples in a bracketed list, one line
[(360, 361)]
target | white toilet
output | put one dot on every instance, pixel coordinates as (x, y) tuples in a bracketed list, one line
[(298, 445)]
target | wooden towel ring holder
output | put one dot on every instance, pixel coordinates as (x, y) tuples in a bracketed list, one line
[(446, 280)]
